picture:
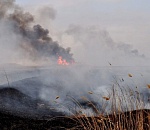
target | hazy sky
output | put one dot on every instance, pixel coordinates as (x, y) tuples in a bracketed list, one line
[(126, 20)]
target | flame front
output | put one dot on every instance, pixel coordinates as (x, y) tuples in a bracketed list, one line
[(62, 61)]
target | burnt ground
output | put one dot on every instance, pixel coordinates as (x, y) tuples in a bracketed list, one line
[(16, 104), (11, 122), (21, 112)]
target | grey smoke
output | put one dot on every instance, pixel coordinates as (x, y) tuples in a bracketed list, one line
[(47, 13), (99, 47), (4, 6), (21, 39), (71, 84), (129, 50), (35, 41)]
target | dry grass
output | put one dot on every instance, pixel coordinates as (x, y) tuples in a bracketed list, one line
[(126, 112)]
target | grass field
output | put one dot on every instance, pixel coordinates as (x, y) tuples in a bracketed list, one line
[(127, 112)]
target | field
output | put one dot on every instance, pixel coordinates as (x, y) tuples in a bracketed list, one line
[(133, 120), (121, 108)]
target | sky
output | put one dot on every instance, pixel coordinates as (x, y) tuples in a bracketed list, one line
[(126, 21)]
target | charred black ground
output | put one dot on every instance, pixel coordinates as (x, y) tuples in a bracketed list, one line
[(11, 122), (17, 103)]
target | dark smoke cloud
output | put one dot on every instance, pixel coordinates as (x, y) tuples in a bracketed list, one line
[(36, 41)]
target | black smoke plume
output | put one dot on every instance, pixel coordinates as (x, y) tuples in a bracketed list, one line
[(36, 41)]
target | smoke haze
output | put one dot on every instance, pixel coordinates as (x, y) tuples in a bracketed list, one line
[(33, 43), (24, 41), (99, 48)]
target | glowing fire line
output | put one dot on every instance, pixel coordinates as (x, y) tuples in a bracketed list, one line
[(62, 61)]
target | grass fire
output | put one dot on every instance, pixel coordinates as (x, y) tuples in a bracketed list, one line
[(62, 61), (74, 65)]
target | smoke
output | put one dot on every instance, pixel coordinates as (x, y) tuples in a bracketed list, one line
[(67, 88), (128, 49), (99, 48), (47, 13), (4, 6), (59, 87), (34, 42)]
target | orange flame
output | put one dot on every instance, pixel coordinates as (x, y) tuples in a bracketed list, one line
[(62, 61)]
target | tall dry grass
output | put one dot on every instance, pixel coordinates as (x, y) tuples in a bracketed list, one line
[(126, 111)]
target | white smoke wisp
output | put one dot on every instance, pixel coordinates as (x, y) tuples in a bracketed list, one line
[(77, 82)]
